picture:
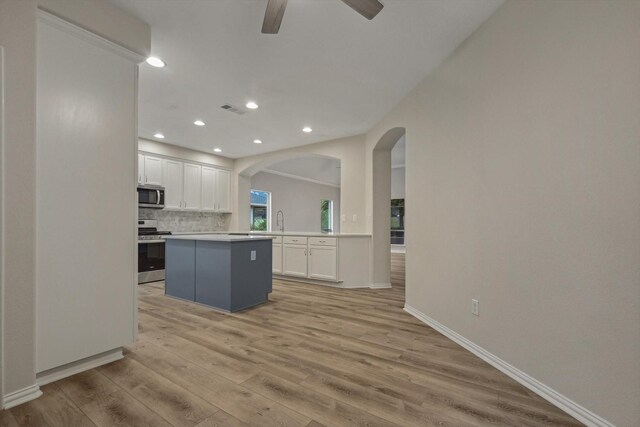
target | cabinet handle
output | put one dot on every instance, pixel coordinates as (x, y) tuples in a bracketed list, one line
[(321, 241), (310, 252), (146, 178)]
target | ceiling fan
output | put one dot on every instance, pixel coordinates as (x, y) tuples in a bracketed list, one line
[(275, 10)]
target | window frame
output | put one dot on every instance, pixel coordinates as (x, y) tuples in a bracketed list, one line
[(267, 206)]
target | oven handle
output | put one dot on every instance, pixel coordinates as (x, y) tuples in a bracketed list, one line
[(151, 241)]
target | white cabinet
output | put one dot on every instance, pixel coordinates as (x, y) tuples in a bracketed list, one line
[(323, 262), (173, 177), (152, 170), (140, 168), (192, 190), (276, 258), (294, 260), (208, 189), (188, 186), (223, 191)]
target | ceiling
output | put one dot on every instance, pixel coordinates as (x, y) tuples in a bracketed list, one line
[(328, 68)]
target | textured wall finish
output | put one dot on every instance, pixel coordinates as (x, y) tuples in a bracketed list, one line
[(180, 221)]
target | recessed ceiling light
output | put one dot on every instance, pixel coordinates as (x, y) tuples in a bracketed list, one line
[(159, 135), (155, 62), (198, 123), (306, 129), (217, 150), (252, 105), (257, 141)]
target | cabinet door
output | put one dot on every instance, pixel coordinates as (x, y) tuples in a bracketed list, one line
[(323, 262), (140, 169), (173, 177), (192, 187), (223, 191), (152, 170), (208, 189), (276, 258), (295, 260)]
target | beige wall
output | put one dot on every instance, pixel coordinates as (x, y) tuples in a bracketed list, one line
[(299, 201), (18, 37), (183, 153), (350, 151), (523, 153)]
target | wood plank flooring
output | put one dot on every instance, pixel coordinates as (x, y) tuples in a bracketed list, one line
[(313, 356)]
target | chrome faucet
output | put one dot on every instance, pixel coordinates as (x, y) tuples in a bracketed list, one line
[(278, 221)]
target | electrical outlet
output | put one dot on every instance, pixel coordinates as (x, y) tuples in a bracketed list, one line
[(253, 255), (475, 307)]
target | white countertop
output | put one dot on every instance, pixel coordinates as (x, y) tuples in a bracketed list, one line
[(215, 237), (276, 233)]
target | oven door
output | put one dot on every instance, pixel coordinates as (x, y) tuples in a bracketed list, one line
[(150, 261), (151, 197)]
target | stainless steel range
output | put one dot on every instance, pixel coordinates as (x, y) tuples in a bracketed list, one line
[(150, 251)]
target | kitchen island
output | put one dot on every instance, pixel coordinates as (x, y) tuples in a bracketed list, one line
[(226, 272)]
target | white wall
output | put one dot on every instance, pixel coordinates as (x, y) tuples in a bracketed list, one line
[(523, 151), (299, 200), (397, 183)]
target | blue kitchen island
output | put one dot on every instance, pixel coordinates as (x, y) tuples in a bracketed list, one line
[(226, 272)]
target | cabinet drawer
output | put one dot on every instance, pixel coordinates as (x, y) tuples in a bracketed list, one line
[(322, 241), (276, 239), (295, 240)]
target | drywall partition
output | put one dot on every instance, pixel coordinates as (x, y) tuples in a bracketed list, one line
[(523, 177), (298, 199), (350, 151), (18, 37)]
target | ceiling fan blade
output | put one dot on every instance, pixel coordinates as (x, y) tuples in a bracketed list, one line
[(367, 8), (273, 16)]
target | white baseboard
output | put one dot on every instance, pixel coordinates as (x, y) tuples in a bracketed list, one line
[(380, 285), (21, 396), (64, 371), (567, 405)]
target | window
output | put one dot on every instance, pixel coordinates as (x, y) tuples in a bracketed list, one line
[(326, 215), (260, 210)]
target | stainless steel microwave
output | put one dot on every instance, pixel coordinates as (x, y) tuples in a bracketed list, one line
[(150, 196)]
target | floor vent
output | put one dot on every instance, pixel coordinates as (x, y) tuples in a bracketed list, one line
[(232, 109)]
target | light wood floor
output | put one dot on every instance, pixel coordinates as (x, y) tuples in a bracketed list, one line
[(312, 356)]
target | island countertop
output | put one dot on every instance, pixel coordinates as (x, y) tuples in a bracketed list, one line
[(216, 237)]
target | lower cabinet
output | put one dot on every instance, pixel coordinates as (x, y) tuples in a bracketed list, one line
[(277, 258), (313, 258), (295, 260), (323, 262)]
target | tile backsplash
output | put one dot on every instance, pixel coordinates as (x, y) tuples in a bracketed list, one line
[(181, 221)]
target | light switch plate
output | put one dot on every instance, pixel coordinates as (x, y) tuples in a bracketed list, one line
[(253, 255)]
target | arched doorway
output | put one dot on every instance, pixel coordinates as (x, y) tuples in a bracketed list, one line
[(381, 213), (246, 181)]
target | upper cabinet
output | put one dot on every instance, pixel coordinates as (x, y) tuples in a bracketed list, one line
[(223, 189), (215, 190), (208, 189), (140, 169), (152, 170), (192, 191), (173, 177), (194, 187)]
